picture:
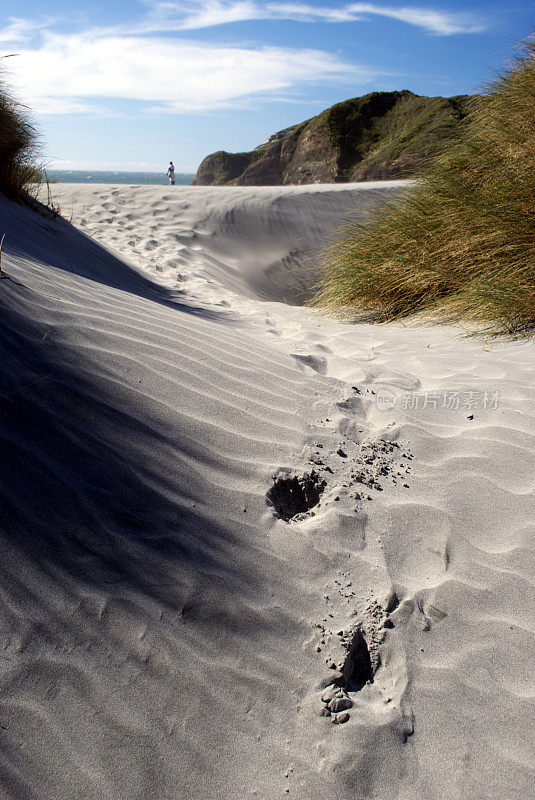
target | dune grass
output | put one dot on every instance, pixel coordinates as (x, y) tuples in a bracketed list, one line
[(18, 148), (460, 245)]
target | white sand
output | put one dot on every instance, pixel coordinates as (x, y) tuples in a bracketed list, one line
[(164, 636)]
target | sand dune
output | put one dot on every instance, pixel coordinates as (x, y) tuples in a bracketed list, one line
[(167, 631), (260, 242)]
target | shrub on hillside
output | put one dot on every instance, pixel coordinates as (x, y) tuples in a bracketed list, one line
[(460, 245)]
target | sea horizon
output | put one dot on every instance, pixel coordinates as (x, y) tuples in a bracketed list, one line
[(116, 176)]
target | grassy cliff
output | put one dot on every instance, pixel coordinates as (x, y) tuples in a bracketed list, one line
[(460, 246), (381, 135), (390, 131)]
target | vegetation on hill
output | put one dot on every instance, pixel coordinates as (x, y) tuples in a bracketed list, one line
[(17, 147), (381, 135), (460, 245), (390, 131)]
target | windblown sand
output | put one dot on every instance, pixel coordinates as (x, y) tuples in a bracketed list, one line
[(229, 522)]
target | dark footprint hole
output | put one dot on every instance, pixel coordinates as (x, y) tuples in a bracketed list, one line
[(295, 494), (392, 602), (357, 670)]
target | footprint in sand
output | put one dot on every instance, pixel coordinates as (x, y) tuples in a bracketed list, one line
[(317, 363), (173, 263), (292, 495), (355, 670)]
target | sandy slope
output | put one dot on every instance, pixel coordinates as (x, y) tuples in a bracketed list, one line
[(164, 635)]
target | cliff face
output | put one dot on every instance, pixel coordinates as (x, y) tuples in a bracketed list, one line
[(379, 136)]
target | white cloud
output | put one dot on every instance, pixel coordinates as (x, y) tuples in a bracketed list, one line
[(74, 73), (307, 13), (17, 30), (445, 23), (208, 13)]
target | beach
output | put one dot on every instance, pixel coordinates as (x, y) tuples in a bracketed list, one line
[(250, 550)]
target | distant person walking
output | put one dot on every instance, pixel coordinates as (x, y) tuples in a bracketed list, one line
[(171, 173)]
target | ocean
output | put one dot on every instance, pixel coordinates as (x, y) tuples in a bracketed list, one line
[(97, 176)]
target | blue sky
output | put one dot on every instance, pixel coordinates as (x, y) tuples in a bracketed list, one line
[(123, 84)]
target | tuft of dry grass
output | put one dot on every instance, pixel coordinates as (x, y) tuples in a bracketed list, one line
[(18, 147), (460, 245)]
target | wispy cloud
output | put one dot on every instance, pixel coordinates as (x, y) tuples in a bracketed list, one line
[(76, 72), (444, 23), (17, 31), (199, 14)]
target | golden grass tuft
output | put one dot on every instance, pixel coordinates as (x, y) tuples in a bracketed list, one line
[(460, 245), (17, 147)]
